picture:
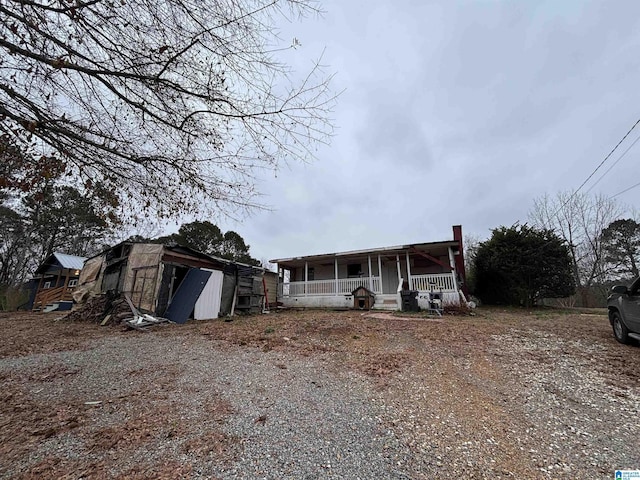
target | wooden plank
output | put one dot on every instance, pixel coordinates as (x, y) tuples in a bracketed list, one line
[(134, 310)]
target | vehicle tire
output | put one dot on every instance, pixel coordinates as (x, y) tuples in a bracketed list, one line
[(620, 331)]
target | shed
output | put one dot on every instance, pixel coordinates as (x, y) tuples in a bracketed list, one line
[(54, 281), (173, 281)]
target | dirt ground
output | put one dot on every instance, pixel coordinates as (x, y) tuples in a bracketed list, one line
[(506, 393)]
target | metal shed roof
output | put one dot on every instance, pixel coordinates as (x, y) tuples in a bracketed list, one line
[(70, 261), (57, 261)]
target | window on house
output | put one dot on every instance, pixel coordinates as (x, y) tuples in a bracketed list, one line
[(311, 273), (73, 283), (354, 270), (46, 285)]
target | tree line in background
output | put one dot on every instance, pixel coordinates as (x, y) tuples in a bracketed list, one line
[(207, 238), (576, 246), (60, 219), (54, 217)]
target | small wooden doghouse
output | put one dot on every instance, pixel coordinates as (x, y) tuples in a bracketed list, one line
[(363, 298)]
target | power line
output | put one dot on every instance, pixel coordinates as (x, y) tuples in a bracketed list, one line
[(613, 165), (627, 189), (575, 192), (566, 202), (606, 158)]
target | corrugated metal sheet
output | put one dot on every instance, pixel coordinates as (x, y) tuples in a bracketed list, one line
[(208, 304), (184, 301), (70, 261)]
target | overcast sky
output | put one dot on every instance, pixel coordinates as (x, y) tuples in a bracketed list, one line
[(454, 112)]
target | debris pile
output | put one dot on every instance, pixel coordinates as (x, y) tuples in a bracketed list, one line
[(112, 309), (106, 308)]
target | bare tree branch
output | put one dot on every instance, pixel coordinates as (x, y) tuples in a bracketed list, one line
[(173, 103), (579, 220)]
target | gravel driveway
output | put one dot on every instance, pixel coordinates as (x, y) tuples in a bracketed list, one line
[(306, 395)]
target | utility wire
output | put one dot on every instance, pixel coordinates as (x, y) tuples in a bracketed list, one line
[(566, 202), (614, 164), (605, 158), (627, 189), (594, 172)]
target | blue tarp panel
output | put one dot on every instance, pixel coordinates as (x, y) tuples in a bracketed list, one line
[(184, 300)]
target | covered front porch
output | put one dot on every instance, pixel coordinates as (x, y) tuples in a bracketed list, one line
[(329, 280)]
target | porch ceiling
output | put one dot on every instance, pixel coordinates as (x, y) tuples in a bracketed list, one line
[(432, 248)]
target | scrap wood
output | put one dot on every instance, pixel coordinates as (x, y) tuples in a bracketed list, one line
[(134, 310), (113, 309), (130, 324), (142, 323), (105, 309), (106, 320), (92, 310), (141, 320)]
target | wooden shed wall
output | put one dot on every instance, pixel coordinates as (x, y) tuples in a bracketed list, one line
[(271, 282)]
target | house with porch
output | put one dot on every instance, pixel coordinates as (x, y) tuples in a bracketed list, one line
[(334, 280), (54, 281)]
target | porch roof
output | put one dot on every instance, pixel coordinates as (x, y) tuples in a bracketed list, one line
[(429, 247)]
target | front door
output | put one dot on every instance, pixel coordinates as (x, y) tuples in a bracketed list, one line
[(389, 277)]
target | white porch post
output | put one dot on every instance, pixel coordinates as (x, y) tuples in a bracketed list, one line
[(380, 273), (452, 262), (279, 284), (398, 266), (336, 273), (370, 277), (409, 272), (306, 277)]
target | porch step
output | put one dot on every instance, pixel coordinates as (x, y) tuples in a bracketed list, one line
[(50, 308), (386, 302)]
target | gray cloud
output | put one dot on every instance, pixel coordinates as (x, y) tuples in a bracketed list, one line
[(454, 112)]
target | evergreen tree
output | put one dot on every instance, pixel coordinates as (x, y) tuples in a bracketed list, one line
[(520, 265)]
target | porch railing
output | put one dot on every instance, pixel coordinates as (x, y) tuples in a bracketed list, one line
[(433, 282), (328, 287), (51, 295)]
